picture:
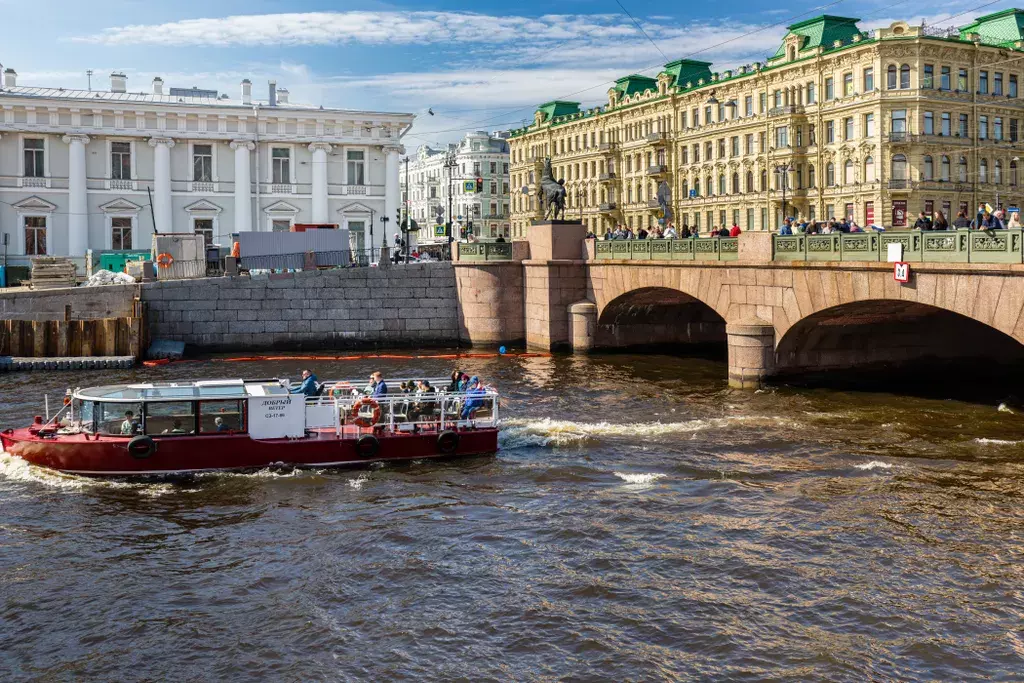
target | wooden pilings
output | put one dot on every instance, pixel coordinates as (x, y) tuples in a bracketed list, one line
[(63, 338)]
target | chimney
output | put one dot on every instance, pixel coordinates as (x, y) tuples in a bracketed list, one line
[(282, 96), (158, 86), (246, 91), (272, 94), (10, 78), (118, 82)]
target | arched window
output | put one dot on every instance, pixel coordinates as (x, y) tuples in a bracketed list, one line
[(905, 77), (983, 171), (721, 184), (735, 183), (750, 181), (792, 53), (684, 189), (709, 183), (869, 170), (1013, 172), (810, 175), (961, 170), (830, 174), (945, 169), (890, 77), (848, 172), (696, 187), (899, 167), (764, 180), (639, 192), (927, 169), (997, 173)]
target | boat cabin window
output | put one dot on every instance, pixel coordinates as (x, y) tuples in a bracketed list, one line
[(221, 416), (84, 414), (123, 419), (171, 417)]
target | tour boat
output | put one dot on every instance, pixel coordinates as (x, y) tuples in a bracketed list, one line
[(210, 425)]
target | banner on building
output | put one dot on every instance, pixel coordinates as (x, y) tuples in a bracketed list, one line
[(899, 213)]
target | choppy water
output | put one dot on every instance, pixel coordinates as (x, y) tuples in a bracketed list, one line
[(642, 522)]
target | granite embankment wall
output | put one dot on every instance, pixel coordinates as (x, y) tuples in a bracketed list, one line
[(407, 305), (79, 303)]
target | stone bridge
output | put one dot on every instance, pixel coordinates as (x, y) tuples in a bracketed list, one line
[(776, 317)]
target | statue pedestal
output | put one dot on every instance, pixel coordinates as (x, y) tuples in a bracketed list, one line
[(556, 240)]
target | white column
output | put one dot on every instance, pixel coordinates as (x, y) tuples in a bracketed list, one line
[(320, 151), (163, 215), (78, 204), (392, 191), (243, 185)]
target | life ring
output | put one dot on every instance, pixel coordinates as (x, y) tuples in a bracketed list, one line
[(363, 421), (164, 260), (141, 447), (448, 442), (367, 446)]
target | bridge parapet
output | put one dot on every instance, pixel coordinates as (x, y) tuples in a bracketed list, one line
[(939, 246)]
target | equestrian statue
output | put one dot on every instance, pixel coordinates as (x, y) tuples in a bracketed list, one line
[(552, 193)]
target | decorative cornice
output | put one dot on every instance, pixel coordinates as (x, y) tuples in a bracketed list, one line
[(68, 139), (168, 142), (396, 149), (325, 146), (247, 144)]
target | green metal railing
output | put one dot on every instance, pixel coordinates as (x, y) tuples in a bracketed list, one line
[(686, 249), (485, 251), (940, 246)]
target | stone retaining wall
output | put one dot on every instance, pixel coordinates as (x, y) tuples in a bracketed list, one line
[(404, 305), (77, 303)]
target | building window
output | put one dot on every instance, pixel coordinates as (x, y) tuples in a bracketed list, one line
[(997, 172), (830, 174), (830, 132), (1013, 172), (944, 169), (929, 123), (781, 137), (983, 171), (982, 127), (810, 93), (944, 79), (890, 77), (963, 126), (735, 183), (748, 106), (961, 81), (869, 125), (121, 160), (997, 128), (1013, 130), (869, 79), (848, 172), (997, 83), (810, 175), (204, 227), (961, 170), (281, 161), (35, 235), (721, 184), (120, 233), (927, 168), (357, 168), (945, 130), (869, 170), (848, 128), (929, 77), (847, 84), (1012, 92), (830, 92), (899, 121), (34, 148), (202, 163), (750, 181), (899, 167), (983, 82), (734, 146), (904, 77), (281, 226)]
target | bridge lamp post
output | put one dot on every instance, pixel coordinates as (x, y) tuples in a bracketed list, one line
[(783, 173)]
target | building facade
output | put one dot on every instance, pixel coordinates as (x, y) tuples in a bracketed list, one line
[(837, 123), (78, 168), (478, 182)]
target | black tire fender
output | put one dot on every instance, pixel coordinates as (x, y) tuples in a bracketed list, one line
[(367, 446), (141, 447), (448, 442)]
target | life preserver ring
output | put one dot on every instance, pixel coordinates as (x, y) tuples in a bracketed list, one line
[(367, 446), (164, 260), (448, 442), (362, 420), (141, 447)]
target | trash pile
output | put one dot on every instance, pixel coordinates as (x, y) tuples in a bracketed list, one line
[(106, 277)]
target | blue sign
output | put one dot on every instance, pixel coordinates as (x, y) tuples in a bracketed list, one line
[(693, 193), (1013, 209)]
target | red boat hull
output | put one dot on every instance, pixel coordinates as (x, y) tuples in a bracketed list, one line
[(89, 454)]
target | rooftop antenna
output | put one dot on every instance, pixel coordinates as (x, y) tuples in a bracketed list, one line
[(88, 73)]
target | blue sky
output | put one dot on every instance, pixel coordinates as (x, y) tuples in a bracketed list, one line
[(479, 65)]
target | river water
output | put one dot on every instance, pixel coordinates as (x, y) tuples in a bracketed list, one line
[(642, 522)]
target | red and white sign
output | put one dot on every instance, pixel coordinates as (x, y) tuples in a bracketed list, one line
[(901, 272), (899, 213)]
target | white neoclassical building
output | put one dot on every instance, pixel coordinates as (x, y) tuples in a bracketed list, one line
[(98, 169), (480, 158)]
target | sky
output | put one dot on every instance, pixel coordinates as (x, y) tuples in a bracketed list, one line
[(477, 65)]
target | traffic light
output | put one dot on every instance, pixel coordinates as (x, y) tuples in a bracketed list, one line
[(479, 184)]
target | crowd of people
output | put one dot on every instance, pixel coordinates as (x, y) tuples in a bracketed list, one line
[(668, 232)]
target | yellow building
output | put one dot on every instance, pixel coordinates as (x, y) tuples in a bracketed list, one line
[(838, 122)]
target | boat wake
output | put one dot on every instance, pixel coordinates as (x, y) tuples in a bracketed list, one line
[(15, 469), (549, 433), (874, 465), (639, 478)]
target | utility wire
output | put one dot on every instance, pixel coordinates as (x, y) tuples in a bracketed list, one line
[(641, 29)]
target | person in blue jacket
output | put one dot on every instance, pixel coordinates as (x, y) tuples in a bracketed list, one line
[(308, 386), (474, 389), (380, 387)]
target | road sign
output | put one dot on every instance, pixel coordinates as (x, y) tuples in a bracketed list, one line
[(901, 272), (1012, 209), (693, 193), (469, 186), (439, 231)]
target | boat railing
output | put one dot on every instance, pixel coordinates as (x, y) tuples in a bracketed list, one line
[(400, 412)]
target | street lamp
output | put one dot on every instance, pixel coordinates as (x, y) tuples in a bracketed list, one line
[(783, 172)]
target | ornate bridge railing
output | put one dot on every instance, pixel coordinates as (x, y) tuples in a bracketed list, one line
[(485, 251), (939, 246), (689, 249)]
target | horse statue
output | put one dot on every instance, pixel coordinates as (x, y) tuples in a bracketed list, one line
[(552, 193)]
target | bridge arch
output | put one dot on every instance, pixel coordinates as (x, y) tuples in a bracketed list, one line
[(655, 316)]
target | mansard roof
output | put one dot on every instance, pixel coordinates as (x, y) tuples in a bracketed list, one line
[(821, 31), (1000, 28)]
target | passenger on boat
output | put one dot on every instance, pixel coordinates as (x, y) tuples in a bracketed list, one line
[(474, 388), (176, 427), (453, 386), (130, 425), (380, 387), (425, 403), (308, 386), (219, 424)]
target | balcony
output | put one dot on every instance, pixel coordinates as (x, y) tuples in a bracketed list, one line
[(785, 110), (120, 184), (606, 147), (901, 185), (653, 204), (607, 207), (202, 186), (605, 177), (281, 188), (29, 181), (657, 169), (899, 137), (657, 137)]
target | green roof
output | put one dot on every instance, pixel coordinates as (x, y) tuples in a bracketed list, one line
[(821, 31), (558, 108), (634, 83), (1000, 28), (684, 70)]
